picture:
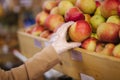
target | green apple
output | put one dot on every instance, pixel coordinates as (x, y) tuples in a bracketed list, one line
[(98, 11), (55, 10), (64, 5), (94, 35), (48, 5), (95, 21), (114, 19), (87, 6)]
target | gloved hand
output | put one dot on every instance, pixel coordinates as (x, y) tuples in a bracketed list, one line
[(58, 39)]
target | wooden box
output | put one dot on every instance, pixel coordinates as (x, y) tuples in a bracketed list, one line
[(29, 44), (77, 63)]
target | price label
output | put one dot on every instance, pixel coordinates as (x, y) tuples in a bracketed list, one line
[(76, 55), (37, 43)]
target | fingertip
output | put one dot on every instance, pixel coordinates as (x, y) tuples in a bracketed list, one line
[(75, 44), (78, 44)]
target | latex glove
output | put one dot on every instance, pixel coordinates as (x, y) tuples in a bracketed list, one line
[(58, 39)]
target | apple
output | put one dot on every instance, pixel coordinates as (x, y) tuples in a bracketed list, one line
[(99, 47), (79, 31), (116, 51), (94, 35), (87, 6), (55, 10), (64, 5), (45, 34), (109, 8), (95, 21), (57, 1), (87, 17), (72, 1), (89, 44), (37, 30), (108, 32), (98, 3), (48, 5), (41, 17), (74, 14), (28, 30), (114, 19), (119, 10), (53, 21), (98, 11), (108, 49)]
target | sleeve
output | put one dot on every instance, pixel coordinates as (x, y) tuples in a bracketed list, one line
[(33, 67)]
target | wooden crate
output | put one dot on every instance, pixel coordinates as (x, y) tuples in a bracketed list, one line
[(77, 63), (99, 67), (29, 44)]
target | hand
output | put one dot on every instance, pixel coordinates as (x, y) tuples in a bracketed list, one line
[(58, 39)]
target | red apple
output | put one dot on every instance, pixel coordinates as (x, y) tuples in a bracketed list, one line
[(89, 44), (74, 14), (41, 17), (119, 10), (80, 31), (37, 30), (98, 3), (53, 21), (109, 8), (48, 5), (116, 51), (108, 32), (108, 49)]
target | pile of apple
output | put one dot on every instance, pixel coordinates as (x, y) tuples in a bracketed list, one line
[(97, 23)]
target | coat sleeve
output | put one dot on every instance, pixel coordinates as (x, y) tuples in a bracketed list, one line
[(33, 67)]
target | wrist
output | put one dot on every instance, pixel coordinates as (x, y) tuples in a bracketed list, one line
[(56, 48)]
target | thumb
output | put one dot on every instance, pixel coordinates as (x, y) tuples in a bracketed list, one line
[(74, 44)]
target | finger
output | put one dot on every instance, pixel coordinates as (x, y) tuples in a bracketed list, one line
[(74, 44), (64, 27)]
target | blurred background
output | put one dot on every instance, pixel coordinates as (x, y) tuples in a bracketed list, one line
[(14, 14)]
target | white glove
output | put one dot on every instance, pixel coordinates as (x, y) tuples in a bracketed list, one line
[(58, 39)]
